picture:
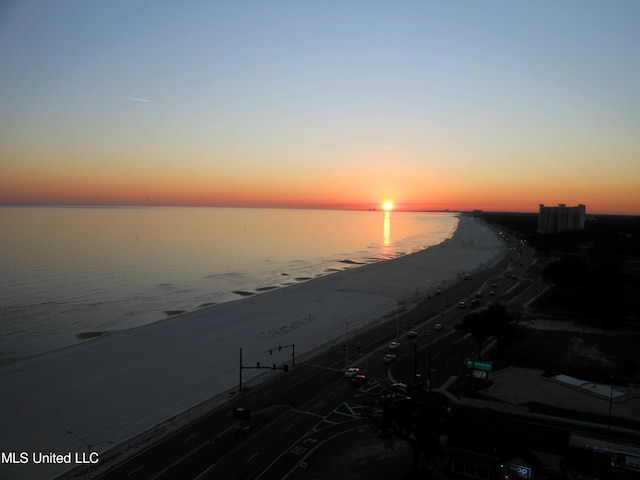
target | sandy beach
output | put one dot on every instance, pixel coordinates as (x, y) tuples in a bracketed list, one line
[(116, 386)]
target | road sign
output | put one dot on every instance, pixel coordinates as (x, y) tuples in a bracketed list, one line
[(484, 366), (519, 471)]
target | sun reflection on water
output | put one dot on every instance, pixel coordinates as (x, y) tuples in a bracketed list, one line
[(387, 228)]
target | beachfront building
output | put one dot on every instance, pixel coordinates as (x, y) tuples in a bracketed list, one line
[(561, 218)]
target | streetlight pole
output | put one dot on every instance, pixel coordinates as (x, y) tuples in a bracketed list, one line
[(429, 363), (415, 361), (346, 343), (610, 402), (346, 362), (89, 447), (240, 384)]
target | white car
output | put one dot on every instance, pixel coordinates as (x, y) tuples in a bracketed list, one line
[(351, 372), (399, 388), (388, 358), (461, 305), (394, 345), (437, 326)]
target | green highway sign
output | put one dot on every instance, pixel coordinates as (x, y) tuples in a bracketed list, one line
[(484, 366)]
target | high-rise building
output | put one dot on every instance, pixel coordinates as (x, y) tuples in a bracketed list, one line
[(561, 218)]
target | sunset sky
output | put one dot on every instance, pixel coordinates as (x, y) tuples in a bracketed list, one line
[(430, 104)]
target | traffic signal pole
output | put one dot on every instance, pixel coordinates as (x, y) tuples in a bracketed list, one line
[(284, 368)]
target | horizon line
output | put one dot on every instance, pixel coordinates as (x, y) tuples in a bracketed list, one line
[(286, 207)]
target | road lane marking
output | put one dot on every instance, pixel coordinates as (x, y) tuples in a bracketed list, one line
[(309, 413), (348, 407), (189, 438), (298, 450), (252, 457), (135, 470)]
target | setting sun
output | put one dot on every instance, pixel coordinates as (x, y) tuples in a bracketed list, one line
[(387, 206)]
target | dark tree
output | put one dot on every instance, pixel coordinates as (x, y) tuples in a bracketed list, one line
[(567, 272), (473, 324), (494, 322), (418, 418)]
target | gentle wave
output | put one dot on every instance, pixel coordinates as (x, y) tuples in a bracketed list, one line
[(95, 270)]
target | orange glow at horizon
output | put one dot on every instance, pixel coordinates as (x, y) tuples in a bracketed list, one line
[(218, 187)]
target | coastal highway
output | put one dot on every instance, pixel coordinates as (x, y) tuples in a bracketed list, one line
[(283, 412), (297, 410)]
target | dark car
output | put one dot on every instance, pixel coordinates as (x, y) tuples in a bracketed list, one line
[(388, 358), (394, 345), (399, 388)]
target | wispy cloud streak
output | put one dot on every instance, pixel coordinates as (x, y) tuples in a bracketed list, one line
[(135, 99)]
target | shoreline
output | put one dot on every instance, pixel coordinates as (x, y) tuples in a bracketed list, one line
[(159, 316), (60, 319), (119, 385)]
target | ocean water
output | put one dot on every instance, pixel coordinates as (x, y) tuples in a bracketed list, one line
[(71, 271)]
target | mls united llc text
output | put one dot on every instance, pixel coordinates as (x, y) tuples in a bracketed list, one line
[(50, 457)]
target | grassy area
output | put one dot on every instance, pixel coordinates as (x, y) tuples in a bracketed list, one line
[(598, 358), (588, 356)]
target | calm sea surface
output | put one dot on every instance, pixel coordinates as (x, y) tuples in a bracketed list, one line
[(68, 271)]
